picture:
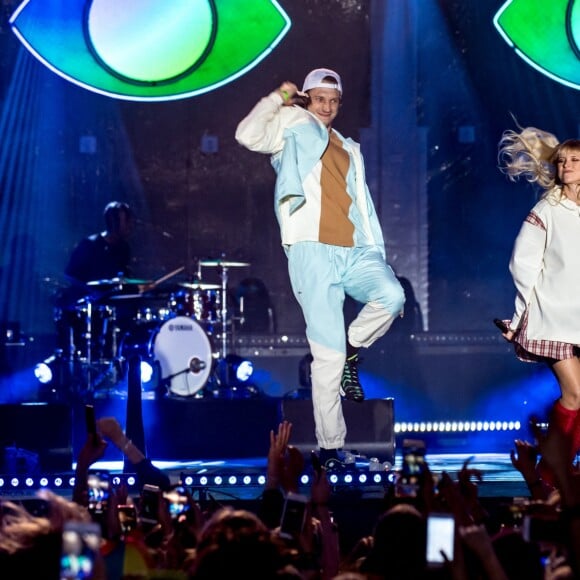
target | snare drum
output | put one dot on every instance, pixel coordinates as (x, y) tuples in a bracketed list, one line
[(180, 347)]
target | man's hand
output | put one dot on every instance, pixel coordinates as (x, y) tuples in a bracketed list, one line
[(289, 92)]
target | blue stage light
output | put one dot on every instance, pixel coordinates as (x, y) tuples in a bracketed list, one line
[(244, 370), (52, 370), (43, 373), (234, 371), (146, 371)]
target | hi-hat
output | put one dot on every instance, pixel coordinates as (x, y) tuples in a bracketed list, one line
[(199, 285), (222, 263), (118, 281)]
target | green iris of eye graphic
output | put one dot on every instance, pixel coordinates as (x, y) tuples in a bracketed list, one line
[(150, 50), (545, 34)]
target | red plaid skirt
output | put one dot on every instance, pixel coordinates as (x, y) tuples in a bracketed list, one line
[(529, 350)]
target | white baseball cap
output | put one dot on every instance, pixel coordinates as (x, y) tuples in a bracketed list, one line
[(314, 80)]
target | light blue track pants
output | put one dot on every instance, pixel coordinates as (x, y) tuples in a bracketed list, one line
[(321, 275)]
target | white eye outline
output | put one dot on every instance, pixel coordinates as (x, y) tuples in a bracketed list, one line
[(157, 97), (569, 36)]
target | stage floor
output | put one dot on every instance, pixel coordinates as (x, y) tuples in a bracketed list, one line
[(499, 478)]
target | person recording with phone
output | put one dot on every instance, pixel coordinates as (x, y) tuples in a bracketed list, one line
[(545, 266), (94, 449), (332, 237)]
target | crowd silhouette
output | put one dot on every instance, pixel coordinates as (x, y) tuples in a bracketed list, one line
[(161, 531)]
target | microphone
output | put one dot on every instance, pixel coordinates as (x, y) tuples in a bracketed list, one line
[(196, 365), (300, 99)]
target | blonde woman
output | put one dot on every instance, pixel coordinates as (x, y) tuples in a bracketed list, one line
[(545, 265)]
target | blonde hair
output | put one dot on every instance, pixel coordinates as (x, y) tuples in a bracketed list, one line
[(533, 154), (528, 154)]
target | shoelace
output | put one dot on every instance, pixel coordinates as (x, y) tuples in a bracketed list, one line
[(351, 372)]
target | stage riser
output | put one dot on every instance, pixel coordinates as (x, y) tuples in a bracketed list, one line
[(189, 430)]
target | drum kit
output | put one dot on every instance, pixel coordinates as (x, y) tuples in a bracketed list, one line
[(183, 330)]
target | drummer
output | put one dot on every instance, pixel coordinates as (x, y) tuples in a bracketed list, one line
[(106, 254), (99, 257)]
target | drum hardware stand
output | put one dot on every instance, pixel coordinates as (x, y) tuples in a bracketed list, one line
[(195, 366), (86, 372), (224, 311), (89, 345)]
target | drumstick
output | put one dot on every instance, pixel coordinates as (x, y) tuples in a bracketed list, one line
[(166, 277)]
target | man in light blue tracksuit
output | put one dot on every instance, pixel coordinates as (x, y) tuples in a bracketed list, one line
[(331, 236)]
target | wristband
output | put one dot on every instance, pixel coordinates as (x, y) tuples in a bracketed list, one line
[(285, 96)]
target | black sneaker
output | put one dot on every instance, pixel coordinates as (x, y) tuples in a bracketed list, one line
[(335, 465), (331, 459), (349, 383)]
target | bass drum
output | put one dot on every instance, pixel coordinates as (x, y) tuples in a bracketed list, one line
[(182, 350), (184, 353)]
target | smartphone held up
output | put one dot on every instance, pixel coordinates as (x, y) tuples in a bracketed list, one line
[(177, 501), (149, 504), (440, 539), (293, 515), (99, 488), (79, 550), (413, 469)]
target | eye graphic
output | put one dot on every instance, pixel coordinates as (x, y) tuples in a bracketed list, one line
[(150, 50), (545, 34)]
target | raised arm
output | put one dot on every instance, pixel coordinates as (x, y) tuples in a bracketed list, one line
[(262, 130)]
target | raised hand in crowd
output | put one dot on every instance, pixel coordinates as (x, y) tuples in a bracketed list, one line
[(524, 458), (278, 457), (467, 480), (145, 471), (320, 496), (477, 540), (272, 499)]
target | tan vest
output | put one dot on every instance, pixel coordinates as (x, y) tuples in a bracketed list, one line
[(335, 226)]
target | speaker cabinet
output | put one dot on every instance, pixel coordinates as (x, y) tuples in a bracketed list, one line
[(370, 426)]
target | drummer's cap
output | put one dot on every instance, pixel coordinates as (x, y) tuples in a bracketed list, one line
[(322, 78)]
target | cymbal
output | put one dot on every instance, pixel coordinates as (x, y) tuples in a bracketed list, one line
[(200, 286), (222, 263), (118, 281), (126, 297)]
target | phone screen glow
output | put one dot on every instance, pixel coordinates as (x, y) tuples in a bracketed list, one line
[(440, 537)]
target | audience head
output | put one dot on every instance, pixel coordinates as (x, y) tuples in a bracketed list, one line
[(30, 545), (235, 543), (398, 550)]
